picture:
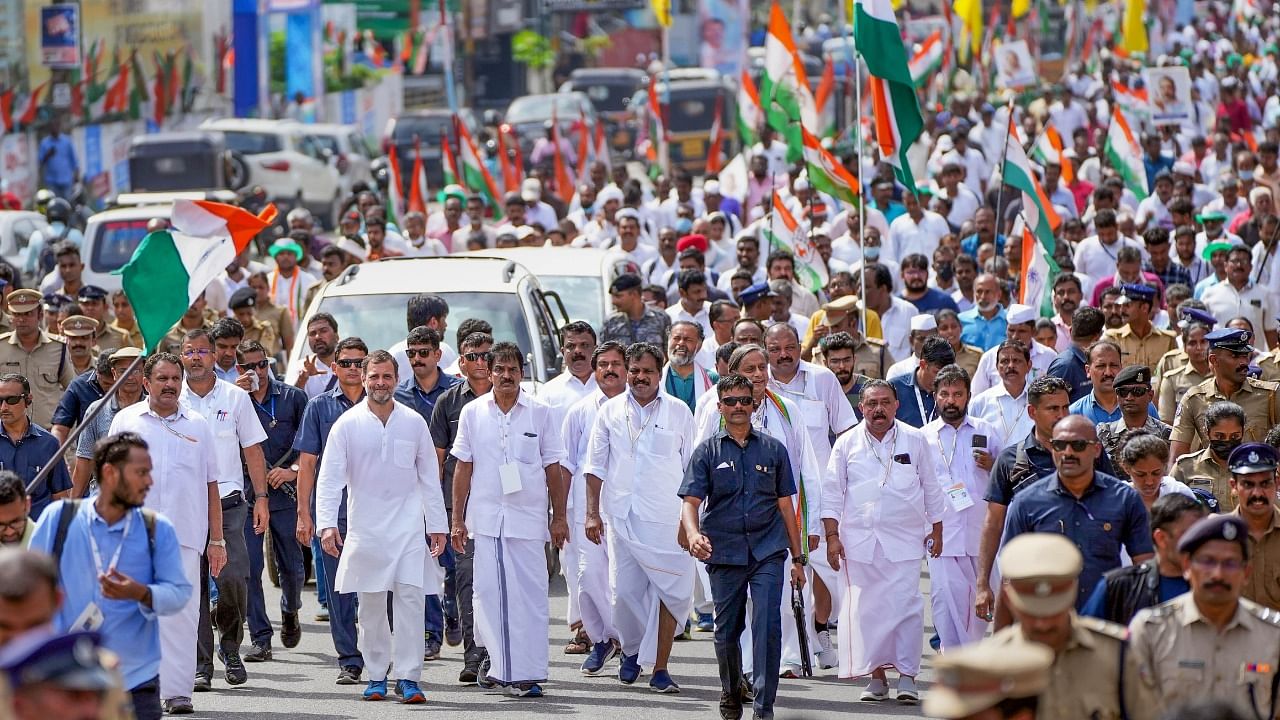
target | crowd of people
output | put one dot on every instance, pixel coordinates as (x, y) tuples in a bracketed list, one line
[(1090, 477)]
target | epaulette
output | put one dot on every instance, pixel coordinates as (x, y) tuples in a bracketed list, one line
[(1262, 612), (1159, 612), (1269, 385), (1102, 627), (875, 341)]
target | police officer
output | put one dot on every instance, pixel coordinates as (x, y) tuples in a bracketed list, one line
[(1210, 642), (1133, 388), (77, 333), (36, 355), (1190, 312), (1253, 486), (1207, 468), (1141, 343), (1091, 676), (1229, 353), (93, 301), (870, 356), (1181, 370), (66, 674), (745, 480), (987, 681), (241, 304)]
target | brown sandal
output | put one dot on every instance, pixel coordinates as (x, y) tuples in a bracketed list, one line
[(579, 645)]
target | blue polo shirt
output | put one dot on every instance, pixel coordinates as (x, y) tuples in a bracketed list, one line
[(280, 412), (970, 245), (1107, 517), (37, 448), (1088, 406), (58, 159), (408, 393), (322, 412), (1069, 365), (981, 332), (934, 299), (80, 394), (909, 402), (740, 485)]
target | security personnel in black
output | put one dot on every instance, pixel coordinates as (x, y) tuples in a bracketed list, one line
[(279, 407), (1122, 592), (743, 536)]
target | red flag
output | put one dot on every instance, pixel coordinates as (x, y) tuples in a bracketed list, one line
[(564, 185), (159, 96), (6, 110), (28, 114), (825, 85), (416, 202), (715, 158)]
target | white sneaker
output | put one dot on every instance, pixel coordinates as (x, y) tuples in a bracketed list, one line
[(827, 657), (878, 690), (791, 671), (907, 693)]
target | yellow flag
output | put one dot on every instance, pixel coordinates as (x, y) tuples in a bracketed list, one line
[(1021, 8), (662, 9), (970, 14), (1135, 27)]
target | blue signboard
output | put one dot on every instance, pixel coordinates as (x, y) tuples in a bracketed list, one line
[(60, 35)]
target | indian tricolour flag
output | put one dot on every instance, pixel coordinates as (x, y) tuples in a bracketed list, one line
[(1051, 148), (1037, 266), (1040, 216), (827, 174), (928, 60), (1125, 155), (172, 267), (750, 115), (1133, 101), (784, 87), (783, 233), (894, 104), (474, 173)]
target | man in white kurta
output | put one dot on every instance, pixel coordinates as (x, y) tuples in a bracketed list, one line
[(382, 455), (1004, 405), (185, 476), (591, 560), (881, 504), (962, 449), (507, 480), (1021, 327), (640, 443)]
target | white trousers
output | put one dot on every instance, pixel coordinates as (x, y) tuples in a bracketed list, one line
[(592, 583), (648, 570), (385, 648), (882, 617), (569, 568), (178, 635), (511, 607), (953, 590)]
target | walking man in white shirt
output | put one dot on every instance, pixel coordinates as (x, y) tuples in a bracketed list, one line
[(185, 490), (501, 494), (881, 508), (1005, 405), (381, 453), (963, 448), (640, 443)]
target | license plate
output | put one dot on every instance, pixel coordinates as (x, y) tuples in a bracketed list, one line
[(691, 148)]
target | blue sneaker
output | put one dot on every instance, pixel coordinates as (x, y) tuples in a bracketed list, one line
[(409, 692), (528, 690), (662, 683), (601, 653), (629, 671), (377, 690), (706, 623)]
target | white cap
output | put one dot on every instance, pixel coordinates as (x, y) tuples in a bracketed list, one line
[(626, 212), (525, 231), (531, 190), (945, 144), (609, 192), (1182, 167), (711, 187), (923, 322), (1019, 314)]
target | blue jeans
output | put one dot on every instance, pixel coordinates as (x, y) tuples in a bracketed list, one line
[(322, 590), (288, 557), (439, 611), (729, 590), (342, 611)]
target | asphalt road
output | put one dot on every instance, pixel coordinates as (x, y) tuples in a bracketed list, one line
[(299, 684)]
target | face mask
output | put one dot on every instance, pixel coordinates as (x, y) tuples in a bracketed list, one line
[(945, 272), (871, 253), (1223, 448), (684, 225)]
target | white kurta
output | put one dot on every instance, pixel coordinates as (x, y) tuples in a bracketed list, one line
[(590, 586), (1005, 413), (561, 393), (394, 498), (987, 375), (823, 405)]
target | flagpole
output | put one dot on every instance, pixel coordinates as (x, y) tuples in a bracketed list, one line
[(862, 212), (1003, 157)]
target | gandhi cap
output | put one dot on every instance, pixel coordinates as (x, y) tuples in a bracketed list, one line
[(1252, 457), (971, 679), (1042, 570), (924, 322), (1231, 528), (1020, 314)]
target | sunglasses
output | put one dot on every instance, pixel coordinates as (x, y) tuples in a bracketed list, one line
[(1075, 445), (12, 399), (486, 357), (1134, 391), (737, 401), (412, 353), (255, 365), (350, 362)]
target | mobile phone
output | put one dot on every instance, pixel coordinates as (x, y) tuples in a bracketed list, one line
[(979, 441)]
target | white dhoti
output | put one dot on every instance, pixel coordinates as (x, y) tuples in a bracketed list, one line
[(592, 583), (647, 570), (569, 569), (882, 616), (818, 569), (178, 635), (384, 648), (953, 589), (511, 607)]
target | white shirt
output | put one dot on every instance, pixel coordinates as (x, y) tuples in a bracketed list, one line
[(541, 213), (883, 492), (230, 415), (963, 205), (564, 391), (575, 431), (461, 234), (987, 375), (677, 313), (906, 236), (1153, 213), (430, 247), (1252, 302), (640, 454), (1005, 413), (394, 499), (905, 366), (895, 324), (1096, 260), (290, 292), (183, 465), (953, 464), (823, 405), (316, 384), (527, 437)]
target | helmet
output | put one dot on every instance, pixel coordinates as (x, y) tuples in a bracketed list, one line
[(43, 196), (58, 210)]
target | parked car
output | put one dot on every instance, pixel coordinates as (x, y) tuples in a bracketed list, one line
[(579, 277), (185, 160), (293, 169), (611, 91), (528, 116), (16, 227), (427, 126), (348, 145)]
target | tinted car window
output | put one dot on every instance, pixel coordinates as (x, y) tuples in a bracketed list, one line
[(381, 326), (115, 242), (247, 143), (427, 129)]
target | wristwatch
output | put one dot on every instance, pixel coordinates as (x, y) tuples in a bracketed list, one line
[(259, 496), (294, 467), (218, 543), (800, 560)]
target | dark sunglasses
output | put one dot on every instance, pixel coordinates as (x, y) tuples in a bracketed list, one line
[(1132, 391), (12, 399), (737, 400), (255, 365), (350, 362), (1075, 445), (412, 353), (486, 357)]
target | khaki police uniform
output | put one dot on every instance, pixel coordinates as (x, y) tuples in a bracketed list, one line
[(81, 326), (172, 342), (264, 334), (1263, 585), (977, 677), (967, 357), (871, 358), (1147, 350), (47, 367), (1182, 658), (1257, 397), (1170, 361), (1173, 386), (1270, 364), (132, 336), (108, 338), (1202, 470), (275, 316)]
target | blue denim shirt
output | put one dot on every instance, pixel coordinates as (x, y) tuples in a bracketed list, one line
[(1088, 406), (37, 448), (981, 332), (80, 394), (408, 393), (740, 485), (322, 412), (1109, 515), (285, 406), (909, 402)]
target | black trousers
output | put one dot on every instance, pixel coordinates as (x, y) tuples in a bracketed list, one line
[(729, 590)]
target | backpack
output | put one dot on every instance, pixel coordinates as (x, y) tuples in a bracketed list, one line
[(68, 513)]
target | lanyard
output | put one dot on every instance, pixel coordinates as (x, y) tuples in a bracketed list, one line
[(293, 285), (1005, 425), (924, 417), (955, 439), (97, 555), (644, 421), (893, 450), (271, 412), (168, 425)]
